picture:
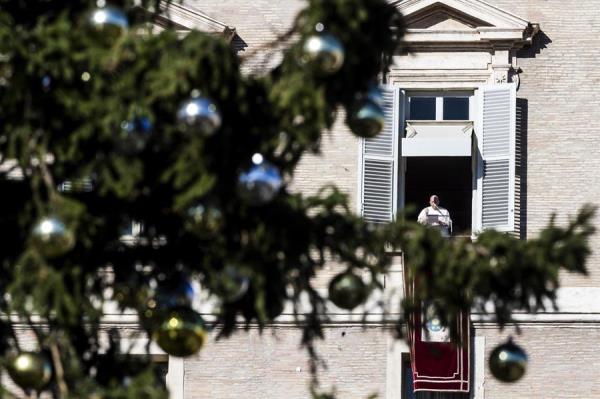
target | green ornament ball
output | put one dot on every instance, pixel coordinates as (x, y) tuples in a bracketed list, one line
[(347, 291), (181, 332), (52, 237), (324, 53), (508, 362), (30, 370), (367, 120)]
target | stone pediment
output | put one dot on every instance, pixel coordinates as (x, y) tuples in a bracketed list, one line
[(441, 17), (463, 21)]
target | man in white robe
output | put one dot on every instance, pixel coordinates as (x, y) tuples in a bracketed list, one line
[(436, 216)]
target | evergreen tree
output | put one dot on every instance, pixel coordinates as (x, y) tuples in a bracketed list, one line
[(104, 124)]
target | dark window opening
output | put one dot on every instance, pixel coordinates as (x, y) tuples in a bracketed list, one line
[(422, 108), (448, 177), (456, 108)]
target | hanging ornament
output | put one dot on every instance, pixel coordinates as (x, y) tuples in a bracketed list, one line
[(30, 370), (51, 237), (375, 95), (205, 220), (199, 114), (367, 119), (347, 290), (230, 284), (109, 19), (259, 184), (177, 292), (134, 135), (324, 53), (508, 362), (181, 332)]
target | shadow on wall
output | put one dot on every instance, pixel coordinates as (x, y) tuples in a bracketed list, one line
[(521, 169), (540, 41)]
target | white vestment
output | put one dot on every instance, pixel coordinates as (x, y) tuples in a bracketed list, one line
[(438, 217)]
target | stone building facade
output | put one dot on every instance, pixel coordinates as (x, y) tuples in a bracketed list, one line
[(549, 50)]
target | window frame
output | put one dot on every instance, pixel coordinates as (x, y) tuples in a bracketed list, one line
[(439, 102)]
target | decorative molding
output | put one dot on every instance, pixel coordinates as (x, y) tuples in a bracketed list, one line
[(474, 21), (475, 9)]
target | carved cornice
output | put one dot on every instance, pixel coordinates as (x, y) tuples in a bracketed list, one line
[(480, 24)]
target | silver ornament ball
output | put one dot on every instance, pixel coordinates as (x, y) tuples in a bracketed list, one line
[(231, 284), (324, 53), (109, 18), (367, 120), (259, 184), (51, 237), (199, 114)]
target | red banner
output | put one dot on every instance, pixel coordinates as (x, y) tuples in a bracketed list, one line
[(437, 363)]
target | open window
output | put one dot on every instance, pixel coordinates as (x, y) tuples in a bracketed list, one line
[(458, 145)]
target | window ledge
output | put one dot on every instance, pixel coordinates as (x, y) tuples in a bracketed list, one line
[(437, 138), (440, 129)]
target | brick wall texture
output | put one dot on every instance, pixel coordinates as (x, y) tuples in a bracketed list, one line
[(563, 362), (560, 80), (272, 365)]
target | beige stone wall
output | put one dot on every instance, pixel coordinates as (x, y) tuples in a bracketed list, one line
[(563, 362), (560, 81), (273, 366)]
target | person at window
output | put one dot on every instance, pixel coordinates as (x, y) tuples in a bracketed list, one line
[(436, 216)]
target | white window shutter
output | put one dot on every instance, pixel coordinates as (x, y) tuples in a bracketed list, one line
[(379, 163), (495, 129)]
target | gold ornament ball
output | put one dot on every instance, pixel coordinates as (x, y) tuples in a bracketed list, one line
[(347, 291), (30, 370), (508, 362), (52, 237), (181, 332)]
